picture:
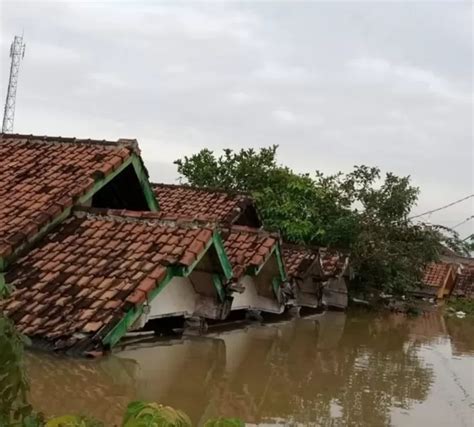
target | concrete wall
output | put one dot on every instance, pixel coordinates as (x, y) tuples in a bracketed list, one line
[(251, 300), (177, 298)]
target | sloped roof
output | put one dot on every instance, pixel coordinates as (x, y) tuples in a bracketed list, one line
[(79, 281), (248, 248), (40, 177), (202, 204), (298, 259), (436, 274)]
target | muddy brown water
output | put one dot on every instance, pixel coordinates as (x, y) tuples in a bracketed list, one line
[(330, 370)]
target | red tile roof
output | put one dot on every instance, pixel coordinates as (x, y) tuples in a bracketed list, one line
[(436, 274), (201, 204), (42, 176), (298, 259), (248, 248), (79, 280)]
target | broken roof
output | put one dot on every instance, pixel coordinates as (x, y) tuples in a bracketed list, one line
[(80, 281), (248, 249), (436, 274), (183, 201), (299, 259), (333, 263), (42, 177)]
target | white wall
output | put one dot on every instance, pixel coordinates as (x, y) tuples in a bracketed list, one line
[(251, 300), (177, 298)]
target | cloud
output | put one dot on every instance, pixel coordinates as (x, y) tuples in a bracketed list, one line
[(333, 83)]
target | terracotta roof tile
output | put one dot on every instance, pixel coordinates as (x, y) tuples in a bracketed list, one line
[(248, 247), (81, 289), (436, 274), (191, 203), (333, 263), (298, 259), (42, 176)]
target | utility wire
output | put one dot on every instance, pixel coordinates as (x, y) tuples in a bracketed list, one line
[(442, 207), (463, 222)]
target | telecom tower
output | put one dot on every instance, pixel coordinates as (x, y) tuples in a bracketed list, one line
[(17, 52)]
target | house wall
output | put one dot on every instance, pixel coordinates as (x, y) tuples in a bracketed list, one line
[(335, 293), (176, 299), (251, 300), (308, 292)]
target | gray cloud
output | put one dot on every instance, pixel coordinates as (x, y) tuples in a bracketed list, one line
[(333, 83)]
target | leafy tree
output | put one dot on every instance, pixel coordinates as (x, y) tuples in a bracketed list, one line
[(361, 212)]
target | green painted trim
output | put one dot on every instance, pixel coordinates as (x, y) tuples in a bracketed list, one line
[(276, 284), (46, 229), (121, 328), (145, 183), (104, 181), (217, 282), (222, 255), (281, 263), (133, 159), (186, 271)]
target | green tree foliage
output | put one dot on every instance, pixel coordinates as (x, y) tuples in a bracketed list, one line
[(361, 212), (14, 407), (143, 414)]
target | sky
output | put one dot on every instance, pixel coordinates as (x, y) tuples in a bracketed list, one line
[(334, 84)]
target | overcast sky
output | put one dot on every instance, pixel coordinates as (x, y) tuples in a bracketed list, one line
[(333, 83)]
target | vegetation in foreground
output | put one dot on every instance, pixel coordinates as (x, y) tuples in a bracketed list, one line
[(360, 212)]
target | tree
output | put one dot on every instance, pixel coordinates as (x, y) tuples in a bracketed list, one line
[(360, 212)]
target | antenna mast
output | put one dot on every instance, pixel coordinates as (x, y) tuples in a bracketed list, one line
[(17, 52)]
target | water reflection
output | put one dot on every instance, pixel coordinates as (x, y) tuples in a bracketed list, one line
[(327, 370)]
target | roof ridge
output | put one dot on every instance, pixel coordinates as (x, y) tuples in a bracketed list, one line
[(130, 216), (252, 230), (121, 142), (230, 193)]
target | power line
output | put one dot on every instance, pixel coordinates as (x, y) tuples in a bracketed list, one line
[(442, 207), (463, 222)]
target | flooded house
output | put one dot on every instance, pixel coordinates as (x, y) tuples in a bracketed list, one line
[(258, 268), (438, 281), (255, 255), (82, 276), (336, 275), (305, 275)]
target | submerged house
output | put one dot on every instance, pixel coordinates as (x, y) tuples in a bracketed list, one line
[(464, 285), (438, 280), (80, 275), (258, 268), (305, 275), (42, 178), (102, 273), (336, 275), (254, 254)]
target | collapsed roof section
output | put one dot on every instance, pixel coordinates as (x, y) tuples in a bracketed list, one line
[(333, 263), (84, 285), (42, 178), (182, 201), (301, 261)]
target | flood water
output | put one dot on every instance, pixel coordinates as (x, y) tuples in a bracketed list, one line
[(330, 370)]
